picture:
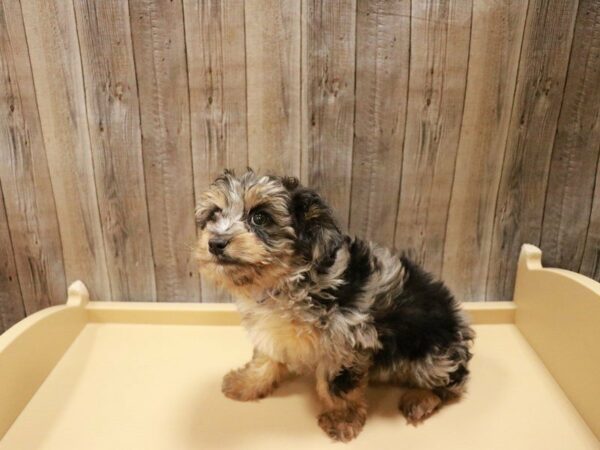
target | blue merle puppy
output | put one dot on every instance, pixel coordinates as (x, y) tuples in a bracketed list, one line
[(314, 300)]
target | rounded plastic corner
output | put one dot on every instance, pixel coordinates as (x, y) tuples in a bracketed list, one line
[(78, 294), (530, 257)]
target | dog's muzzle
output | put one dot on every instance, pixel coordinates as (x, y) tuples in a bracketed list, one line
[(217, 246)]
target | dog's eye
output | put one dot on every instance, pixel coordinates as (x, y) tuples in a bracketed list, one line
[(213, 214), (259, 219)]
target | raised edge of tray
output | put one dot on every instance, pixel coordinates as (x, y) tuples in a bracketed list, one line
[(557, 311)]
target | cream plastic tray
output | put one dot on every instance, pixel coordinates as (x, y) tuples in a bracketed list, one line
[(100, 375)]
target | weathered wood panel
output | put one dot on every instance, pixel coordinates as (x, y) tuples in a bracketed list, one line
[(273, 85), (328, 85), (217, 83), (538, 96), (11, 301), (28, 196), (382, 62), (114, 123), (161, 70), (590, 264), (440, 35), (576, 147), (588, 85), (496, 35), (457, 129), (56, 67)]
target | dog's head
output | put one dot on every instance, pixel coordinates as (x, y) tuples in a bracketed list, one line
[(253, 230)]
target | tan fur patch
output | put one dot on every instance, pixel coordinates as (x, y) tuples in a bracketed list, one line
[(248, 248), (283, 339), (312, 213), (253, 196), (256, 271), (255, 380)]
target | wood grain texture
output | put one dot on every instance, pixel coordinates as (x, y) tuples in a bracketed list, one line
[(382, 62), (328, 66), (590, 263), (576, 147), (114, 122), (160, 60), (496, 34), (457, 129), (28, 196), (217, 84), (273, 85), (588, 23), (538, 97), (440, 35), (11, 301), (56, 68)]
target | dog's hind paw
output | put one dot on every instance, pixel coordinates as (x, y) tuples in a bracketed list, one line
[(342, 425), (418, 404)]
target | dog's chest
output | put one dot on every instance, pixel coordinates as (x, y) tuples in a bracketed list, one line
[(283, 337)]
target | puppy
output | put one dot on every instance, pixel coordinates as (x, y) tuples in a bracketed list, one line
[(314, 300)]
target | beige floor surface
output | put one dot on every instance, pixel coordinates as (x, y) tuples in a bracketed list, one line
[(124, 386)]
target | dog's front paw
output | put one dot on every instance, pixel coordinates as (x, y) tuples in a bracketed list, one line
[(419, 404), (343, 425), (238, 385)]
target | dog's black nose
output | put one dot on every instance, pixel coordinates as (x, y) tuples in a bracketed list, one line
[(217, 245)]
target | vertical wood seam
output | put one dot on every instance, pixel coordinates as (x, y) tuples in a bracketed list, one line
[(222, 92), (410, 19), (12, 248), (512, 109), (589, 222), (349, 164), (37, 110), (246, 88), (154, 59), (560, 109), (187, 77), (460, 137), (142, 171), (300, 90), (375, 117), (354, 100), (87, 122)]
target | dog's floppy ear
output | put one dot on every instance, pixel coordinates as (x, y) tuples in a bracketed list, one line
[(317, 235), (290, 183)]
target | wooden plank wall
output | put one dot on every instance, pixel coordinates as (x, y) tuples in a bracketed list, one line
[(454, 129)]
